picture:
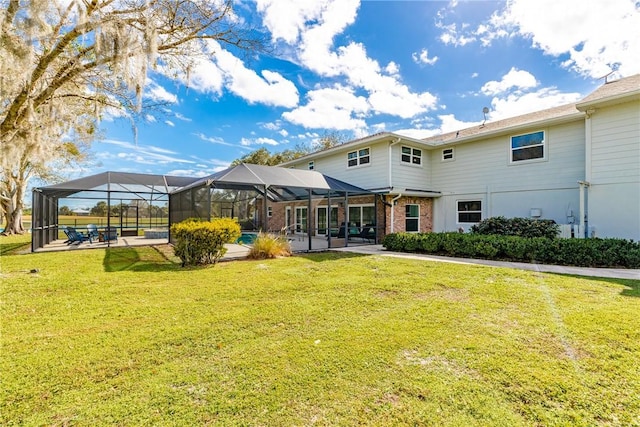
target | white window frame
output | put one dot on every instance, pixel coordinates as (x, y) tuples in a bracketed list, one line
[(269, 211), (416, 218), (358, 157), (411, 157), (542, 144), (458, 211), (451, 152)]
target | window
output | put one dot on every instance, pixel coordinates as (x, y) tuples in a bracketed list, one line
[(411, 155), (412, 218), (527, 147), (269, 211), (470, 211), (447, 154), (311, 165), (359, 157)]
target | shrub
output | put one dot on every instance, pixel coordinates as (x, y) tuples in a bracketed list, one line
[(580, 252), (202, 242), (269, 246), (521, 227)]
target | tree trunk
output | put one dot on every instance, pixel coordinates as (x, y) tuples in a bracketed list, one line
[(13, 222)]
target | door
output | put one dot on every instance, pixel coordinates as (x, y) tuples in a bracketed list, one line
[(301, 220)]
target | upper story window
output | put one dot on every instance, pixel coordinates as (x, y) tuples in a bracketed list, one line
[(470, 211), (411, 155), (529, 146), (358, 157), (311, 165), (447, 154)]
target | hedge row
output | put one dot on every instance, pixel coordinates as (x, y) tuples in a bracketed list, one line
[(579, 252), (202, 242), (522, 227)]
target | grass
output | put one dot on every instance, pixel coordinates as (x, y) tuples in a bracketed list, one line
[(124, 336)]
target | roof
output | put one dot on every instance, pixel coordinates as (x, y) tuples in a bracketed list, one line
[(122, 184), (612, 92), (556, 114), (249, 175)]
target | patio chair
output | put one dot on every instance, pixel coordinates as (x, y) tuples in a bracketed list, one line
[(92, 232), (368, 233), (110, 233), (74, 236)]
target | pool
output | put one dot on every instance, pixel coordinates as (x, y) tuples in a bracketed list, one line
[(246, 238), (156, 233)]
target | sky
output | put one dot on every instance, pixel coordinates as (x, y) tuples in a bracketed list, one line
[(416, 68)]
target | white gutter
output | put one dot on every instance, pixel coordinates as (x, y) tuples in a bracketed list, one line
[(393, 207)]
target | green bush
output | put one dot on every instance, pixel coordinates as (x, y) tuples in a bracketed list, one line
[(521, 227), (578, 252), (269, 246), (202, 242)]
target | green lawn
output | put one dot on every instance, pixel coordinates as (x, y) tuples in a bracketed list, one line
[(127, 337)]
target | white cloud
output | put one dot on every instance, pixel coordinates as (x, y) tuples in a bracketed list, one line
[(183, 118), (597, 36), (271, 88), (452, 36), (170, 123), (516, 104), (149, 118), (145, 154), (310, 28), (157, 93), (213, 139), (247, 142), (423, 57), (515, 78), (283, 133), (330, 108)]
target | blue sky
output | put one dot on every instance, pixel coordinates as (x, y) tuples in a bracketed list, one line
[(417, 68)]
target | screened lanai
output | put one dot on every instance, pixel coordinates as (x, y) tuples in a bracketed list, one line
[(114, 190), (312, 209), (315, 211)]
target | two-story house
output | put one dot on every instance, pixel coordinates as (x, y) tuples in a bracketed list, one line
[(577, 164)]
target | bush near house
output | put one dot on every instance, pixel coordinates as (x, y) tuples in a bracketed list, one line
[(202, 242), (522, 227), (578, 252), (269, 246)]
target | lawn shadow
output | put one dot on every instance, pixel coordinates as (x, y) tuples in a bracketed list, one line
[(631, 287), (14, 248), (137, 259)]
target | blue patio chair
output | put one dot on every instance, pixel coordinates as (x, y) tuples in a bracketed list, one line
[(92, 232), (74, 236)]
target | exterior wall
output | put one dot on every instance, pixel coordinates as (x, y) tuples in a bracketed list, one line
[(481, 171), (372, 175), (409, 176), (614, 162), (399, 214)]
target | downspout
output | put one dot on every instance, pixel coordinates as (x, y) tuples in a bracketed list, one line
[(393, 207), (583, 213)]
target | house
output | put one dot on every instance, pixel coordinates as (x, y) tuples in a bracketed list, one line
[(577, 164)]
